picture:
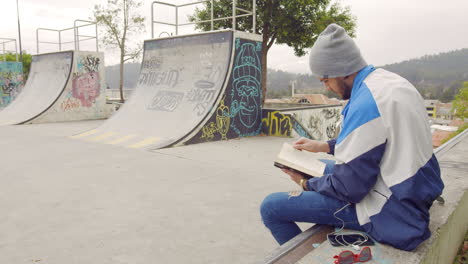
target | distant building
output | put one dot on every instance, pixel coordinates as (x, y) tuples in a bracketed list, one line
[(431, 108)]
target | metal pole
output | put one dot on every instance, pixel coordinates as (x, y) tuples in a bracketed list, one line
[(37, 41), (16, 51), (152, 21), (254, 16), (97, 44), (212, 15), (177, 20), (19, 32), (78, 38), (60, 40), (234, 15)]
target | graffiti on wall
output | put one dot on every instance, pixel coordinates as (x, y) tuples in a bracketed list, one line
[(321, 124), (239, 112), (11, 80), (275, 123), (166, 101), (204, 89), (86, 83), (299, 129)]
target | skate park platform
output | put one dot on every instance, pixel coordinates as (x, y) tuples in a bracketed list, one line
[(69, 201), (72, 201)]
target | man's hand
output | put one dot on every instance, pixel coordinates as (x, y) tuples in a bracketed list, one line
[(311, 145), (295, 176)]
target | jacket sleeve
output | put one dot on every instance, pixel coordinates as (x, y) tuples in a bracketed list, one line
[(351, 181), (358, 151)]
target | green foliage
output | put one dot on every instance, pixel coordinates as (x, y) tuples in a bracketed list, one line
[(460, 104), (27, 58), (454, 134), (294, 23), (119, 20)]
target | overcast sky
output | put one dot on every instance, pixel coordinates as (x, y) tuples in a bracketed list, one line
[(388, 31)]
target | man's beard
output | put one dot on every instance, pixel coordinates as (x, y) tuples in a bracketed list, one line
[(346, 91)]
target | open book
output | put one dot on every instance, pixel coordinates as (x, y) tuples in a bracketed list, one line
[(303, 161)]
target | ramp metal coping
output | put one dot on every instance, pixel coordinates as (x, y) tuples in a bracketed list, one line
[(76, 35), (302, 243), (252, 13), (4, 41)]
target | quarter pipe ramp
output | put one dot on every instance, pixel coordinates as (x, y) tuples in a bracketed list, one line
[(191, 89), (62, 86)]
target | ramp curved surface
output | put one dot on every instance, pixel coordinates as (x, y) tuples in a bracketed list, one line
[(180, 82), (47, 79)]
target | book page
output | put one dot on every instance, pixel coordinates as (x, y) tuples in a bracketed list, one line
[(301, 160)]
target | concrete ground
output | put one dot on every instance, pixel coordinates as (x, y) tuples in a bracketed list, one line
[(70, 201)]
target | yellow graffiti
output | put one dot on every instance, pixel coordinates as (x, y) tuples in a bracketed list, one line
[(277, 124), (208, 131), (223, 120)]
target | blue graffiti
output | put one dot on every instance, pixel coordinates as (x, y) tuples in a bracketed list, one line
[(300, 130), (11, 80), (246, 94)]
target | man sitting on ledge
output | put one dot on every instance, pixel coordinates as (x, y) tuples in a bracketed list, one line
[(386, 170)]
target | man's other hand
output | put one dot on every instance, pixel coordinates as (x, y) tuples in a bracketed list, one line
[(295, 176), (311, 145)]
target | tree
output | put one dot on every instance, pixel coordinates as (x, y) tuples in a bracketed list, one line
[(120, 21), (460, 104), (294, 23)]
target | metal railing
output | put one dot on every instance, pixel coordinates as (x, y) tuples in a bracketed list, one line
[(76, 35), (4, 41), (242, 13)]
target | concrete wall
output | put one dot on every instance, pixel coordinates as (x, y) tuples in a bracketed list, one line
[(11, 81), (320, 123), (84, 96)]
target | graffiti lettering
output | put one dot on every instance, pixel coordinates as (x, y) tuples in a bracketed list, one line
[(300, 130), (11, 79), (69, 104), (277, 124), (166, 101), (208, 131), (202, 94), (153, 63), (168, 78), (331, 113)]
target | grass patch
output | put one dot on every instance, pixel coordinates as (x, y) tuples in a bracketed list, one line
[(454, 134)]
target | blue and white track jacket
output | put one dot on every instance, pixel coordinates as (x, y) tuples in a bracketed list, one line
[(385, 161)]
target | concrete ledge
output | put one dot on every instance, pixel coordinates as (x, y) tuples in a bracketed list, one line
[(298, 247), (449, 222)]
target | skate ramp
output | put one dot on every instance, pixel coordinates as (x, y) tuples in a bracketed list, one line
[(191, 89), (62, 86), (47, 79), (180, 81)]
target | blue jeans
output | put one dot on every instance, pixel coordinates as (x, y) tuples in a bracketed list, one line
[(280, 211)]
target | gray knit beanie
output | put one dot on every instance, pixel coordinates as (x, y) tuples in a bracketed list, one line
[(335, 54)]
